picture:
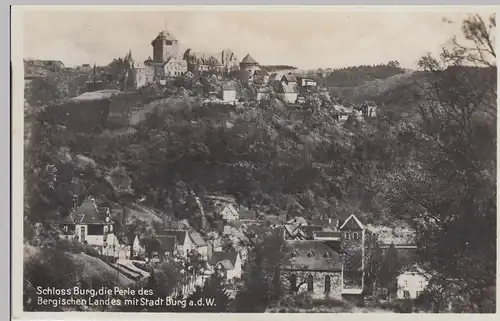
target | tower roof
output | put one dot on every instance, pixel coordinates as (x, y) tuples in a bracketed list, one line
[(165, 35), (249, 60)]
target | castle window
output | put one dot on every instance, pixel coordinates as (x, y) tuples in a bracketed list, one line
[(293, 282), (310, 285), (327, 284)]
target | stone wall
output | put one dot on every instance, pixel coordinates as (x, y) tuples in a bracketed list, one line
[(318, 282)]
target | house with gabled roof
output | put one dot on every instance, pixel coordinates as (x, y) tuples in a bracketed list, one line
[(199, 244), (183, 241), (89, 224), (161, 246), (411, 282), (247, 215), (312, 266), (327, 263), (228, 263)]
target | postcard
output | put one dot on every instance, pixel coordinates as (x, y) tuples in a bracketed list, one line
[(254, 160)]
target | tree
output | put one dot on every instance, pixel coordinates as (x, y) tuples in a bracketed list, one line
[(389, 269), (261, 275), (448, 193)]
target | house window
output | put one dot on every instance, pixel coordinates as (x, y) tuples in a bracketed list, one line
[(347, 235), (105, 229), (406, 294), (355, 236), (418, 293), (310, 286), (111, 228), (406, 283), (327, 284), (82, 233), (293, 282), (65, 228)]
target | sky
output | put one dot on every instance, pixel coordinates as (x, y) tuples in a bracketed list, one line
[(305, 38)]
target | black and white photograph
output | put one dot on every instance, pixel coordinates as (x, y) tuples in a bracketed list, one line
[(256, 160)]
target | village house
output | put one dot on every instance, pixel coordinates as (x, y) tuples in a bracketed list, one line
[(247, 215), (318, 262), (289, 79), (306, 82), (200, 245), (160, 247), (88, 223), (313, 266), (412, 282), (143, 75), (228, 263), (229, 92), (289, 92), (182, 242), (228, 212)]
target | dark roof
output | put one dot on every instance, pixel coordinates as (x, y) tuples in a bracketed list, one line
[(167, 242), (248, 60), (328, 234), (247, 215), (165, 35), (230, 256), (275, 219), (289, 78), (310, 229), (89, 213), (311, 255), (180, 235), (197, 239)]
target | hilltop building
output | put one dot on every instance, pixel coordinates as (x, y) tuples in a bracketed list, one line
[(166, 61), (220, 62)]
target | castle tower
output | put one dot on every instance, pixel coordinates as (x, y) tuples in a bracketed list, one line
[(165, 46)]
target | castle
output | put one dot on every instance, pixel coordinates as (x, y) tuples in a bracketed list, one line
[(168, 62)]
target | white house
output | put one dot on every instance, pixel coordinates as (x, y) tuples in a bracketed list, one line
[(228, 263), (306, 82), (199, 244), (88, 223), (289, 92), (229, 213), (228, 92), (411, 283)]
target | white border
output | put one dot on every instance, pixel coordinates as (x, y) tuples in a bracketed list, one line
[(18, 146)]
